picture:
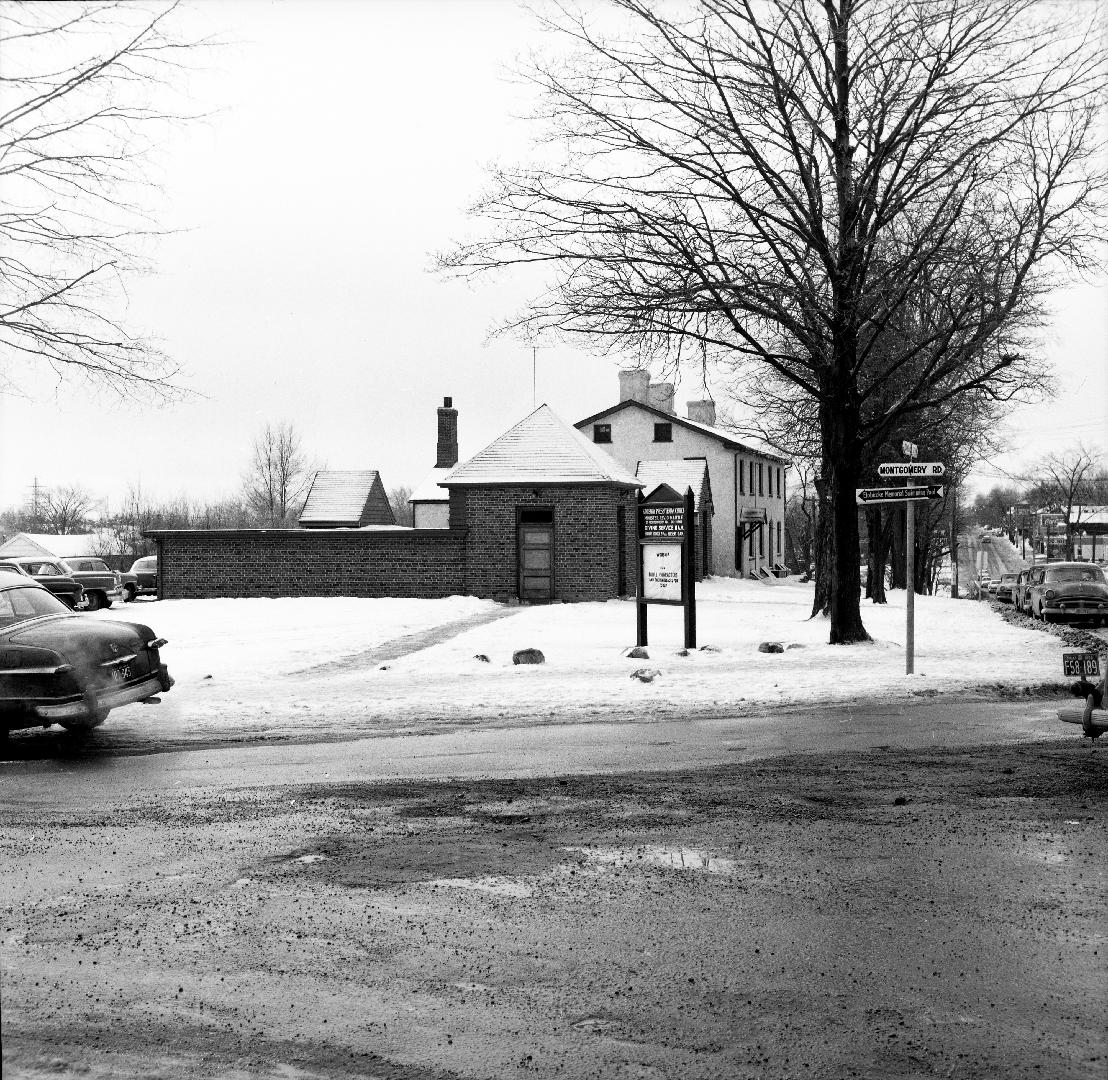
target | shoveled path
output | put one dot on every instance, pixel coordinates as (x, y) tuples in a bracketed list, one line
[(409, 643)]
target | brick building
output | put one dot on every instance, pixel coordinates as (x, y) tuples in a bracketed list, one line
[(540, 514)]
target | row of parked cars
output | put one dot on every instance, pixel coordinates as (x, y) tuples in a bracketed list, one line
[(88, 584), (58, 666), (1074, 592)]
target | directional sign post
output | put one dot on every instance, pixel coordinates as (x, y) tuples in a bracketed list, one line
[(909, 495)]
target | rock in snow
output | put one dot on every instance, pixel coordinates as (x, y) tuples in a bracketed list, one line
[(528, 656), (771, 646), (645, 674), (638, 653)]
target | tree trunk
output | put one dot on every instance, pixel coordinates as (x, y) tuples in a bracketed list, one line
[(823, 543), (878, 554), (842, 465)]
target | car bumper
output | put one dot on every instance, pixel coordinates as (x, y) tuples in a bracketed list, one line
[(1073, 611), (110, 697)]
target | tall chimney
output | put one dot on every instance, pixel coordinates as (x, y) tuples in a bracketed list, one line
[(447, 448), (703, 412), (634, 384), (661, 396)]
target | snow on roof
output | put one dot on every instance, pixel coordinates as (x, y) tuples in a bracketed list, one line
[(338, 496), (68, 546), (1089, 515), (542, 449), (679, 474), (428, 489)]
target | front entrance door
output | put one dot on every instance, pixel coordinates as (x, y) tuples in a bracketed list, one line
[(536, 561)]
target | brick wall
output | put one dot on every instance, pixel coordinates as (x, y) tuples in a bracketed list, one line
[(296, 562), (586, 531)]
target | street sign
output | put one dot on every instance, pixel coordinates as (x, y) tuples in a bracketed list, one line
[(893, 494), (753, 515), (909, 449), (914, 470)]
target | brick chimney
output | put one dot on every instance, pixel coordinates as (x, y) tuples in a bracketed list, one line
[(634, 385), (661, 396), (447, 448), (702, 412)]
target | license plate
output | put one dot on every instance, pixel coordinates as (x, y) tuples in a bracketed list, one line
[(121, 673), (1080, 663)]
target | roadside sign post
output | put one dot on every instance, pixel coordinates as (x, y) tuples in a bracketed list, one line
[(667, 558), (910, 494)]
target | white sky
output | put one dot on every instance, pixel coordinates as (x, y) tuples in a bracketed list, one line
[(351, 138)]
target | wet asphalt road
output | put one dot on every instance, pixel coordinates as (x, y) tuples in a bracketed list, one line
[(869, 891)]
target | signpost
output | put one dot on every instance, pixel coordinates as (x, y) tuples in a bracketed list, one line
[(667, 557), (909, 495)]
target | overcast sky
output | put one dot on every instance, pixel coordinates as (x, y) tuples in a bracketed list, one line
[(350, 139)]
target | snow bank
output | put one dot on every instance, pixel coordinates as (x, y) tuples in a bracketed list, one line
[(288, 664)]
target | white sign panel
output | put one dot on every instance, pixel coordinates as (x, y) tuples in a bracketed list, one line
[(909, 449), (661, 572), (913, 469)]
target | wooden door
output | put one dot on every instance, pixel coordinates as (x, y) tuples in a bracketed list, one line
[(536, 562)]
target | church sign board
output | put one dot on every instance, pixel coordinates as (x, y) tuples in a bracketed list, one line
[(667, 574)]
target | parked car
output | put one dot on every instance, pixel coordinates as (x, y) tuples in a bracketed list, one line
[(145, 571), (1005, 587), (59, 667), (986, 538), (1069, 592), (52, 574), (102, 585), (1019, 591)]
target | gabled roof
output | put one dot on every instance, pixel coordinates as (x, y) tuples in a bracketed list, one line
[(66, 546), (429, 490), (679, 474), (727, 438), (341, 498), (541, 449)]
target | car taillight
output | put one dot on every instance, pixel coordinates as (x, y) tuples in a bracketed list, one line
[(157, 643)]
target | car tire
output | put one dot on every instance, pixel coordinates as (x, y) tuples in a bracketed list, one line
[(93, 602), (105, 602), (128, 594)]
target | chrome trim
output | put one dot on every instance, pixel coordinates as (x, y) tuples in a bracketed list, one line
[(107, 699), (61, 669), (157, 643), (118, 660)]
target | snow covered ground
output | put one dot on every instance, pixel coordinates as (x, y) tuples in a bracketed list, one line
[(274, 668)]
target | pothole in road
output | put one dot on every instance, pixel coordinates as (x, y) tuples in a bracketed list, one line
[(483, 861), (670, 858)]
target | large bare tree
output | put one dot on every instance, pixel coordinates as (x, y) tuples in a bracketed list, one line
[(1066, 478), (278, 476), (85, 95), (867, 198)]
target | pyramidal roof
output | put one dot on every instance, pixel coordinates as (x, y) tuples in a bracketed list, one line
[(541, 449)]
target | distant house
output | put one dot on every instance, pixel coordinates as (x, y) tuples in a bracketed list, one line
[(51, 546), (346, 500), (747, 481)]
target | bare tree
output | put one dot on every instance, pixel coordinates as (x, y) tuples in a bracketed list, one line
[(866, 197), (83, 100), (401, 508), (1067, 479), (279, 475), (66, 509)]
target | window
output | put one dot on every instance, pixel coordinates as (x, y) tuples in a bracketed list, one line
[(762, 542), (752, 480), (742, 478), (752, 537), (779, 537), (602, 433), (663, 433), (760, 492)]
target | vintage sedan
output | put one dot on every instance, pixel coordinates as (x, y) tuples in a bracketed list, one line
[(1006, 587), (1070, 592), (58, 667)]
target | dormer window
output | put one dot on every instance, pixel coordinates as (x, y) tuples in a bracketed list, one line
[(663, 433), (602, 433)]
